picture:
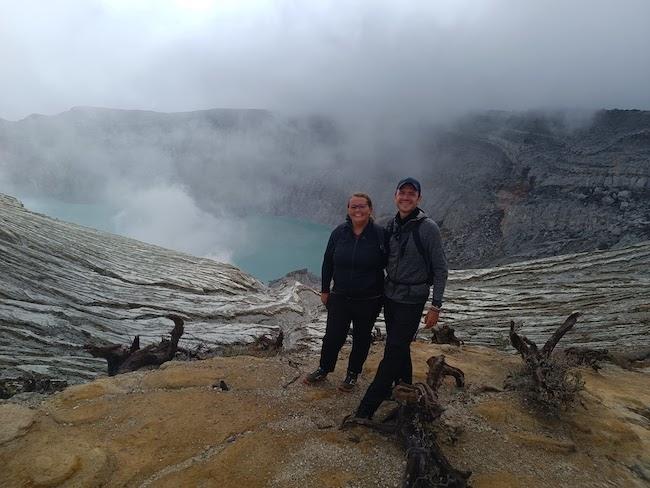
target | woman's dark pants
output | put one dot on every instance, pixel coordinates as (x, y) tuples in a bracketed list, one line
[(402, 322), (340, 312)]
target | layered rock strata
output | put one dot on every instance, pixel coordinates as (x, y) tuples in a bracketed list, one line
[(63, 285)]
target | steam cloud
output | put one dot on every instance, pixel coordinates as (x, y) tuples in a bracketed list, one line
[(168, 216), (355, 57)]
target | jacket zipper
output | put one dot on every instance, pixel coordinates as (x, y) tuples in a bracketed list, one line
[(354, 253), (399, 254)]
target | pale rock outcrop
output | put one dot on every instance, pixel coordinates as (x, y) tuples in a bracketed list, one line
[(62, 285)]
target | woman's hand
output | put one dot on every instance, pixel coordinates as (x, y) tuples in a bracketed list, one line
[(324, 296), (432, 317)]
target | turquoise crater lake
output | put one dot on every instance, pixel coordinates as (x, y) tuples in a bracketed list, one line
[(266, 247), (278, 245)]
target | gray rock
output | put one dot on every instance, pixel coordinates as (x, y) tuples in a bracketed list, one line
[(301, 275), (64, 285), (607, 200), (610, 288)]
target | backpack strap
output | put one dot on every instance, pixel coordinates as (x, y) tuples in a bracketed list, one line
[(420, 247)]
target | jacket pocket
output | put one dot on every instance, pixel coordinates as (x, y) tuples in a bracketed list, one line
[(419, 291)]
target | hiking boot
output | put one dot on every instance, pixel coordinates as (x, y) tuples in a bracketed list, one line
[(316, 377), (362, 413), (348, 383)]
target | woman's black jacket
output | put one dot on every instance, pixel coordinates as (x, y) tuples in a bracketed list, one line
[(355, 264)]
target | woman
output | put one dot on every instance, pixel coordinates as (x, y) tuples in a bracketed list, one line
[(355, 260)]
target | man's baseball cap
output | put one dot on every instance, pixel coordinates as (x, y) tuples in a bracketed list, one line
[(409, 181)]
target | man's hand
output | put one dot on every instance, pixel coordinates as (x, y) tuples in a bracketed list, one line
[(431, 318), (324, 296)]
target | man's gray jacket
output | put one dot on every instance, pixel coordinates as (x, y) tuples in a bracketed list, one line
[(407, 277)]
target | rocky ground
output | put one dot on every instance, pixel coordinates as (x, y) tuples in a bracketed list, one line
[(174, 427)]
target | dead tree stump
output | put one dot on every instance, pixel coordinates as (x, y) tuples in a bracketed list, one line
[(269, 343), (122, 359), (445, 335), (551, 384), (410, 423)]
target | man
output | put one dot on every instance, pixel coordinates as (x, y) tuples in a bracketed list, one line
[(416, 261)]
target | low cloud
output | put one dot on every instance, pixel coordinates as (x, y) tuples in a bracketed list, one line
[(168, 216), (382, 70), (358, 58)]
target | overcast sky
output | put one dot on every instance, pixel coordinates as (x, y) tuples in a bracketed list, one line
[(425, 56)]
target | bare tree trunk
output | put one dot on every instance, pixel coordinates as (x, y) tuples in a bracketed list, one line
[(445, 335), (122, 359)]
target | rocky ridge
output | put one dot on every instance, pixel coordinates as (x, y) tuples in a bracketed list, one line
[(547, 187), (62, 285), (611, 289)]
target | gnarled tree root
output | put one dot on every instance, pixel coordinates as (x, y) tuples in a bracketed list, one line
[(552, 385), (122, 359), (426, 465)]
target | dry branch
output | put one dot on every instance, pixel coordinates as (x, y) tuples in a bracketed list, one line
[(551, 384), (558, 334), (426, 465), (445, 335), (122, 359)]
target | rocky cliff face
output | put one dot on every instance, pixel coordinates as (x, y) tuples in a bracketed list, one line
[(62, 285), (610, 288), (545, 188), (504, 186)]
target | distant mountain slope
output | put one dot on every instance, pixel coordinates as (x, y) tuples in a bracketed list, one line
[(535, 186), (504, 186)]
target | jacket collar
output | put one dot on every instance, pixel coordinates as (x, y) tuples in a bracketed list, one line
[(417, 214), (348, 224)]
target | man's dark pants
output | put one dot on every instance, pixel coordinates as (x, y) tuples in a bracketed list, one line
[(341, 311), (402, 322)]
